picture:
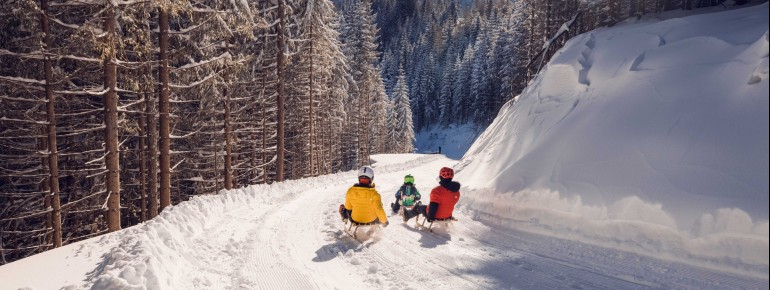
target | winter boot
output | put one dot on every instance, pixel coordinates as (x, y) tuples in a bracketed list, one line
[(343, 212), (394, 207), (408, 214)]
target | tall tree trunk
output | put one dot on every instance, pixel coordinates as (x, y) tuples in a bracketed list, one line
[(143, 162), (53, 153), (329, 148), (228, 151), (280, 96), (152, 157), (216, 168), (264, 142), (311, 117), (254, 157), (228, 132), (165, 146), (45, 186), (112, 159), (263, 108)]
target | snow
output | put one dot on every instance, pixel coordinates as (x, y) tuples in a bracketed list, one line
[(650, 137), (288, 235), (23, 80), (637, 159), (454, 140), (390, 159)]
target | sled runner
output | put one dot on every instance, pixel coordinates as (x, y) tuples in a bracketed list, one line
[(443, 223), (352, 228)]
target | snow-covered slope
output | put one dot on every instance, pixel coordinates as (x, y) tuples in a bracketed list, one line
[(454, 140), (288, 235), (649, 136)]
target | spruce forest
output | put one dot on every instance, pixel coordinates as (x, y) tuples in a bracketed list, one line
[(112, 111)]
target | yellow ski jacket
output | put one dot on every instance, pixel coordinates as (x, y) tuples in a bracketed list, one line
[(365, 204)]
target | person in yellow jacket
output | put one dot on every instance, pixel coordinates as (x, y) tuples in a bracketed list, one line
[(363, 204)]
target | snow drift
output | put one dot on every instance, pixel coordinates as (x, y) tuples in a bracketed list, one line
[(650, 136)]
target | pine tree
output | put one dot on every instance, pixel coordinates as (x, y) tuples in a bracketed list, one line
[(363, 59), (311, 86), (401, 127), (461, 92)]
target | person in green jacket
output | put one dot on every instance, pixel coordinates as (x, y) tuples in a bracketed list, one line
[(407, 195)]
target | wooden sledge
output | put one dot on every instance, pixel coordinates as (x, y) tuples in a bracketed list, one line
[(351, 228), (445, 223)]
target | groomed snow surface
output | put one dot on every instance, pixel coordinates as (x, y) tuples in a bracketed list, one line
[(289, 235), (649, 137)]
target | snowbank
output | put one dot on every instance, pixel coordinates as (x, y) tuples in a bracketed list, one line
[(649, 137)]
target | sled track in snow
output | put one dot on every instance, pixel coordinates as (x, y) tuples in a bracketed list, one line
[(269, 250)]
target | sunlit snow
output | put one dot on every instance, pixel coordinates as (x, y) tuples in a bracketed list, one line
[(650, 137), (637, 159)]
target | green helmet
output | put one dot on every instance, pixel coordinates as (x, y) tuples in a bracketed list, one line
[(409, 179)]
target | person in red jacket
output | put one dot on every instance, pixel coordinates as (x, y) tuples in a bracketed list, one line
[(442, 199)]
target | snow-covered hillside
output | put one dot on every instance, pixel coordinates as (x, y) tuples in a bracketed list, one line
[(650, 136), (288, 235), (453, 140)]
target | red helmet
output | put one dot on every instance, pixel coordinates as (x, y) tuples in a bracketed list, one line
[(446, 173)]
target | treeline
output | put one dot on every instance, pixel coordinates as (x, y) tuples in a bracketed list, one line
[(463, 63), (111, 111)]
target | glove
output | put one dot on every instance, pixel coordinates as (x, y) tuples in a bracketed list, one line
[(385, 225)]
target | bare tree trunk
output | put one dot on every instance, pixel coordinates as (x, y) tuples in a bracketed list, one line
[(263, 85), (152, 158), (254, 157), (53, 153), (311, 116), (112, 159), (329, 148), (264, 142), (229, 158), (228, 151), (143, 162), (46, 185), (280, 97), (165, 146), (216, 169)]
